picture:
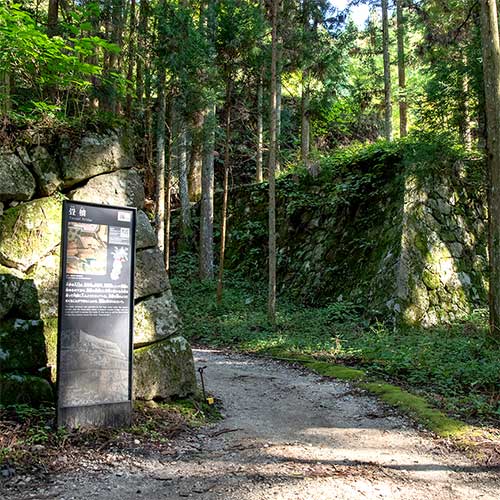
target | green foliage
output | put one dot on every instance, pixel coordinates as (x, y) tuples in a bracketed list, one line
[(36, 62)]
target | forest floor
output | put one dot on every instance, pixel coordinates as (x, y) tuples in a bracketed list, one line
[(286, 434)]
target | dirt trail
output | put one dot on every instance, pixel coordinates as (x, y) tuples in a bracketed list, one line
[(286, 435)]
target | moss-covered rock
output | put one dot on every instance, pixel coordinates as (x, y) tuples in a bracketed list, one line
[(97, 154), (20, 388), (124, 187), (16, 181), (22, 346), (150, 274), (155, 318), (164, 370), (29, 232)]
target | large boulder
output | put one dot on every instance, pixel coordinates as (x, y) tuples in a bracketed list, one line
[(46, 169), (24, 389), (22, 346), (29, 232), (97, 154), (150, 274), (164, 370), (122, 188), (145, 235), (16, 181), (155, 318)]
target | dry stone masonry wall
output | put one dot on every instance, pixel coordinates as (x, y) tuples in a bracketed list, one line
[(406, 242), (33, 182)]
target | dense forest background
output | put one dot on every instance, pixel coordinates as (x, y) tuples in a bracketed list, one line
[(220, 94)]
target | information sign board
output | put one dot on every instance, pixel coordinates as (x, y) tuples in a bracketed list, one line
[(96, 304)]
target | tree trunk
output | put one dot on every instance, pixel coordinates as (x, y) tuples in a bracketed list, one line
[(403, 105), (387, 71), (183, 186), (259, 174), (278, 109), (304, 112), (139, 71), (491, 68), (273, 146), (207, 199), (227, 157), (53, 18), (160, 161), (168, 189), (196, 157), (5, 99), (131, 59)]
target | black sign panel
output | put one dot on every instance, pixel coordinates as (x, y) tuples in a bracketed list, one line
[(96, 303)]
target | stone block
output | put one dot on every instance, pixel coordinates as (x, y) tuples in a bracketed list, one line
[(16, 181), (122, 188), (155, 318), (164, 370), (29, 232)]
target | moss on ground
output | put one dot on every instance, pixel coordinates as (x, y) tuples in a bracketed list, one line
[(414, 406), (419, 408), (336, 371)]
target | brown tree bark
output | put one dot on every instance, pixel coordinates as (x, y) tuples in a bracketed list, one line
[(196, 157), (227, 158), (273, 147), (491, 69), (53, 18), (304, 112), (207, 199), (160, 161), (387, 71), (131, 58), (403, 104), (183, 185), (259, 174)]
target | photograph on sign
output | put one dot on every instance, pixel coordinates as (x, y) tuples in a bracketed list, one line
[(96, 305)]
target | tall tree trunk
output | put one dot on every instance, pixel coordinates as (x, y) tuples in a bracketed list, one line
[(227, 157), (168, 187), (259, 174), (387, 71), (304, 112), (183, 185), (207, 199), (5, 98), (160, 161), (403, 104), (273, 146), (139, 71), (53, 18), (131, 59), (278, 108), (196, 157), (491, 68)]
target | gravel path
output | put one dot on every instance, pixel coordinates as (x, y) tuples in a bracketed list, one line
[(286, 435)]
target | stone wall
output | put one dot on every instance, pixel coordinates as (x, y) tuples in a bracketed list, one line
[(403, 242), (33, 182)]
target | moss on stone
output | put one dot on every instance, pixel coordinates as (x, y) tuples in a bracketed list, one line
[(430, 279), (21, 388), (30, 231)]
